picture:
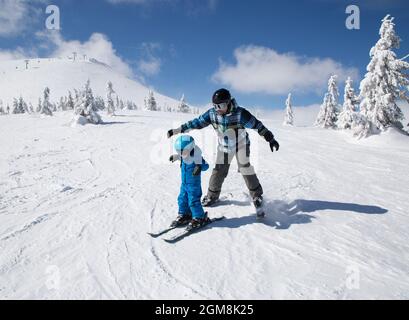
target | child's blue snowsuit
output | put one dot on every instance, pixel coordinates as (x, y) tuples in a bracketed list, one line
[(189, 199)]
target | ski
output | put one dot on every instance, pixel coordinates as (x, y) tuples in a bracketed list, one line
[(161, 233), (185, 233)]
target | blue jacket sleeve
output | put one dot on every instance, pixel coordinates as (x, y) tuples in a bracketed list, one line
[(205, 165), (199, 123), (251, 122)]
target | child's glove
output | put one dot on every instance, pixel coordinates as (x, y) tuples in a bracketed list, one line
[(174, 158), (197, 170), (173, 132)]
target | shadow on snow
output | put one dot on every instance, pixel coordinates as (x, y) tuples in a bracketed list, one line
[(282, 215)]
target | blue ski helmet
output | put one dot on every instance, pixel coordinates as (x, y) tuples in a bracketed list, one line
[(184, 143)]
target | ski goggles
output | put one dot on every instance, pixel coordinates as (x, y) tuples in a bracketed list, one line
[(221, 106)]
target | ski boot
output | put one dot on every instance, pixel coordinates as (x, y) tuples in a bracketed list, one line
[(197, 223), (258, 203), (181, 220), (208, 201)]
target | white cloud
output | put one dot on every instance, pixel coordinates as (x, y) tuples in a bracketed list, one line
[(150, 68), (18, 53), (150, 64), (17, 16), (263, 70), (98, 47)]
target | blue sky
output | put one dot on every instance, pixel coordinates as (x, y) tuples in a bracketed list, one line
[(260, 49)]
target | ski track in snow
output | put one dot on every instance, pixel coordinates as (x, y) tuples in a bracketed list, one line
[(76, 205), (172, 277)]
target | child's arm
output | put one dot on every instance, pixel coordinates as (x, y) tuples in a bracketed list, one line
[(205, 165), (200, 167), (174, 158)]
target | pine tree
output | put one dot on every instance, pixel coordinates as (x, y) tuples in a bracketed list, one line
[(121, 104), (110, 100), (384, 82), (62, 105), (289, 115), (23, 105), (70, 102), (1, 107), (46, 106), (183, 107), (118, 103), (77, 97), (150, 102), (131, 105), (16, 107), (39, 105), (327, 116), (99, 103), (86, 106), (348, 117)]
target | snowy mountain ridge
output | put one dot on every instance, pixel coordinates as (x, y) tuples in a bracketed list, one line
[(19, 78)]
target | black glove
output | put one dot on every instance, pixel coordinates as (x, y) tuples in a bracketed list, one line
[(170, 133), (174, 158), (173, 132), (274, 144), (197, 170)]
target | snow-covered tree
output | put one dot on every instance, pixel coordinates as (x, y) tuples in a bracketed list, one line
[(131, 105), (46, 106), (39, 105), (99, 103), (150, 102), (14, 108), (70, 102), (348, 116), (385, 81), (20, 106), (110, 100), (289, 115), (2, 111), (327, 116), (183, 107), (86, 106), (23, 105), (121, 104), (62, 104), (117, 103), (77, 94)]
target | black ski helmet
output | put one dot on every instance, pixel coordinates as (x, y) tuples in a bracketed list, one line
[(221, 96)]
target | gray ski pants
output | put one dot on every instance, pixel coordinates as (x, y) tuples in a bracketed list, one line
[(221, 170)]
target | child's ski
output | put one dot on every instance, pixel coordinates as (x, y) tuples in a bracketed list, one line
[(161, 233), (185, 233)]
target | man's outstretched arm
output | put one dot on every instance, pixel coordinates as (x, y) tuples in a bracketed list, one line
[(251, 122), (199, 123)]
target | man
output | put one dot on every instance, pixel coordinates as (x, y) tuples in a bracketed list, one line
[(230, 122)]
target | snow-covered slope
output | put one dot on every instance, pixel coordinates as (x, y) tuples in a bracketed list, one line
[(61, 75), (76, 205)]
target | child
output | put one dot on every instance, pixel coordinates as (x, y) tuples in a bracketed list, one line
[(191, 212)]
